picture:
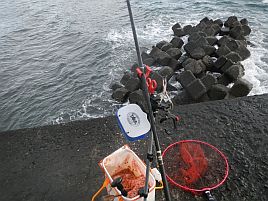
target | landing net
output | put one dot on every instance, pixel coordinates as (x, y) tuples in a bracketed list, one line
[(195, 166)]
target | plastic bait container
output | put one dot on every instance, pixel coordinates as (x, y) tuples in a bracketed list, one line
[(125, 158)]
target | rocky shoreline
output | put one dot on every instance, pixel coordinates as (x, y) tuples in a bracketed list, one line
[(60, 162), (204, 59)]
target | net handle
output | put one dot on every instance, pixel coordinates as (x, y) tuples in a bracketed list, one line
[(203, 189)]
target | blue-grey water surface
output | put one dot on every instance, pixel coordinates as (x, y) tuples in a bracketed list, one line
[(58, 58)]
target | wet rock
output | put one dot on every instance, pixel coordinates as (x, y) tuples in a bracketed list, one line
[(137, 97), (197, 53), (166, 72), (230, 21), (237, 23), (223, 40), (194, 48), (179, 32), (231, 44), (212, 40), (115, 86), (175, 64), (209, 49), (210, 22), (120, 94), (208, 61), (227, 65), (183, 58), (218, 92), (195, 36), (194, 67), (208, 80), (224, 80), (127, 75), (235, 71), (174, 53), (201, 41), (202, 65), (149, 61), (200, 75), (234, 57), (218, 22), (161, 43), (166, 47), (185, 78), (132, 84), (244, 21), (236, 32), (196, 89), (222, 50), (182, 98), (220, 62), (187, 61), (160, 56), (176, 26), (171, 87), (204, 98), (193, 30), (205, 20), (159, 80), (201, 26), (241, 88), (246, 30), (144, 56), (189, 47), (210, 31), (177, 42), (216, 28), (224, 31), (242, 50), (242, 38), (188, 29)]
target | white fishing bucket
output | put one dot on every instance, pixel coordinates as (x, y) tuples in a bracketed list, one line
[(124, 158)]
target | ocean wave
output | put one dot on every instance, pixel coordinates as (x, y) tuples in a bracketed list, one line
[(60, 67)]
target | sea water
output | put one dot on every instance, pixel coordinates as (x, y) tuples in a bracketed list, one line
[(58, 58)]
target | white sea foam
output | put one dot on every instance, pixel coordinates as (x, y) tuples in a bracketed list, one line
[(254, 73), (264, 1), (150, 34), (255, 68)]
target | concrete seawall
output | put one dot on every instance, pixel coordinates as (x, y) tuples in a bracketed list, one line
[(60, 163)]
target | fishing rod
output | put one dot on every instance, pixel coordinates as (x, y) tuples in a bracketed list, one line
[(152, 135)]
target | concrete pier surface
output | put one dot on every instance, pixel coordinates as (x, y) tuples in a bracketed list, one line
[(60, 162)]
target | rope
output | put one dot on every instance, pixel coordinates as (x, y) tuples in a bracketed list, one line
[(164, 94)]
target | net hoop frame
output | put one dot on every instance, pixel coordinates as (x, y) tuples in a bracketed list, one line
[(203, 189)]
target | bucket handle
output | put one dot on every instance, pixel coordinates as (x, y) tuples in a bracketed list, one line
[(105, 183), (159, 187)]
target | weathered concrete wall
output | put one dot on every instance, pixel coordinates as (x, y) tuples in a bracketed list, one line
[(60, 162)]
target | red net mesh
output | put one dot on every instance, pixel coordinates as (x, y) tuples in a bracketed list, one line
[(194, 165)]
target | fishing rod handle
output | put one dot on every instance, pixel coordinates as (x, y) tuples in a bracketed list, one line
[(209, 196)]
